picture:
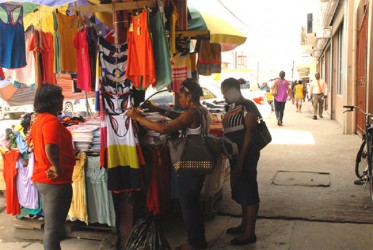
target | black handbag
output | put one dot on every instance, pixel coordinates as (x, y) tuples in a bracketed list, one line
[(263, 137), (195, 154)]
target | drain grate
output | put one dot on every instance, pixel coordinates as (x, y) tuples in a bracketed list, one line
[(302, 178)]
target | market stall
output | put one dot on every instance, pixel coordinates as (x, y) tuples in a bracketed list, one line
[(116, 61)]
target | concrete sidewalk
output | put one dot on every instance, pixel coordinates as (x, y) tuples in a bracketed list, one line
[(308, 199)]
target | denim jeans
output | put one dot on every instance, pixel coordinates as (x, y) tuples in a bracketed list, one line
[(190, 187), (56, 200), (279, 109)]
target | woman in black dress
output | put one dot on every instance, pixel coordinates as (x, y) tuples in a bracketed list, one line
[(240, 126)]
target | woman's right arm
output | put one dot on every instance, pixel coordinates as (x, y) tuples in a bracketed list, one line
[(164, 112), (183, 121)]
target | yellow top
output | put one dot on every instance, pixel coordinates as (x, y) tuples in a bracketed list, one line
[(299, 91)]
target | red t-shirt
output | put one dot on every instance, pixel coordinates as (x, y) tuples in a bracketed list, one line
[(47, 129)]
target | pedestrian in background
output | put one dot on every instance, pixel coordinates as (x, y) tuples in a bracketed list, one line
[(283, 91), (54, 162), (240, 126), (319, 91), (299, 95), (264, 87)]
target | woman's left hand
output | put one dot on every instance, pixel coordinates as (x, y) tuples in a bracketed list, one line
[(132, 113), (237, 168)]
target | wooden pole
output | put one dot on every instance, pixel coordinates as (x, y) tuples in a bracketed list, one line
[(182, 24)]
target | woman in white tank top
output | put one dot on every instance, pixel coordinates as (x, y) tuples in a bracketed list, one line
[(189, 186)]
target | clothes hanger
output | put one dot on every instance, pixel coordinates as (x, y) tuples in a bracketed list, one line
[(147, 8)]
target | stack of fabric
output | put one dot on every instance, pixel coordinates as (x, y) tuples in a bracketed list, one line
[(83, 136), (96, 140)]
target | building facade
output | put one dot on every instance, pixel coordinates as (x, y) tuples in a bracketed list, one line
[(340, 45)]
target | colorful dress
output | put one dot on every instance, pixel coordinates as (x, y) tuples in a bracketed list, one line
[(84, 69), (120, 149)]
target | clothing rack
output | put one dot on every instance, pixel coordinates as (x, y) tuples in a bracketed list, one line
[(194, 34)]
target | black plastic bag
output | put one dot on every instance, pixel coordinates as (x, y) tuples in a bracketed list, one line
[(146, 235)]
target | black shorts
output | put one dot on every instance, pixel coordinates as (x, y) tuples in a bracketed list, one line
[(245, 185)]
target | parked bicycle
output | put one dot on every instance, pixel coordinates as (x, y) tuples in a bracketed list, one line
[(364, 157)]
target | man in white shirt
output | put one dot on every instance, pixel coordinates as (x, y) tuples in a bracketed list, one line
[(319, 91)]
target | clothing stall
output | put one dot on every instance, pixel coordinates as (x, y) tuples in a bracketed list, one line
[(113, 51)]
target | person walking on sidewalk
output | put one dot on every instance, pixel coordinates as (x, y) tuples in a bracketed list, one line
[(282, 89), (240, 126), (319, 91), (299, 95)]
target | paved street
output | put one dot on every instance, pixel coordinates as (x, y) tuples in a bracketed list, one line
[(308, 199)]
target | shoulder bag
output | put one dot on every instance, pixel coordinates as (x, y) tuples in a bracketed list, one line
[(274, 90), (263, 136), (195, 154)]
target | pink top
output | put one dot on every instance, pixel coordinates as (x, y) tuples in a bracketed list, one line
[(84, 70), (282, 92)]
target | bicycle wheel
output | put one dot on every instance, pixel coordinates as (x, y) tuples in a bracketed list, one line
[(361, 162), (370, 172)]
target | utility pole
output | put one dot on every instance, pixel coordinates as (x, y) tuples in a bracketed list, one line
[(292, 72), (257, 73)]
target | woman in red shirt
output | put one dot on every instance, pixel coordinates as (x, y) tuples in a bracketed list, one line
[(54, 162)]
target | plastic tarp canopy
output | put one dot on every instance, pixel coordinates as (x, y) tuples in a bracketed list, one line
[(50, 3)]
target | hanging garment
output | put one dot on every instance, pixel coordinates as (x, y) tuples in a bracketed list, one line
[(10, 172), (47, 58), (36, 47), (122, 155), (99, 198), (173, 21), (140, 68), (97, 84), (26, 74), (57, 48), (158, 189), (78, 208), (92, 50), (161, 52), (209, 58), (12, 38), (2, 76), (181, 70), (84, 69), (28, 195), (112, 60), (67, 28)]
